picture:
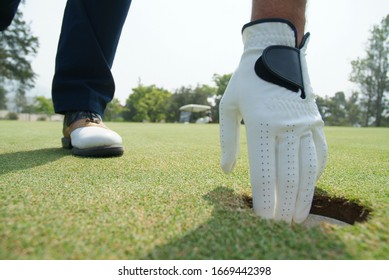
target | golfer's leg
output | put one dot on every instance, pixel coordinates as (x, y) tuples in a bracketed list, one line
[(291, 10), (90, 34), (83, 83), (8, 10)]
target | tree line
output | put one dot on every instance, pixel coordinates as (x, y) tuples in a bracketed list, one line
[(154, 104), (339, 110), (368, 106), (18, 46)]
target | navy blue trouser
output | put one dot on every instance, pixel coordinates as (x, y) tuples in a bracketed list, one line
[(7, 12), (89, 37)]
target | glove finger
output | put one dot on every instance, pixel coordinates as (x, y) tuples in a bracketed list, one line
[(308, 167), (321, 150), (287, 175), (262, 149), (230, 120)]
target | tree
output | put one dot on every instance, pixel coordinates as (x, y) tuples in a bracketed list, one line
[(3, 98), (337, 109), (150, 103), (353, 110), (189, 95), (17, 47), (221, 82), (147, 103), (371, 73), (43, 105), (113, 111), (340, 111), (20, 101)]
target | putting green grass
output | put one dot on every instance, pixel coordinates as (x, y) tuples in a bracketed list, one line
[(167, 198)]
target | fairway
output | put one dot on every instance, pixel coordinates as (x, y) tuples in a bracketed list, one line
[(167, 198)]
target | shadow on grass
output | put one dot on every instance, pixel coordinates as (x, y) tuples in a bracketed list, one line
[(17, 161), (234, 232)]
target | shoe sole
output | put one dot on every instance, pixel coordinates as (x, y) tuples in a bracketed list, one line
[(103, 151)]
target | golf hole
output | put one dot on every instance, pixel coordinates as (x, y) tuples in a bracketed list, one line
[(340, 209)]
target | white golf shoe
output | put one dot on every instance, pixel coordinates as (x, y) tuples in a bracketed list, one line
[(86, 134)]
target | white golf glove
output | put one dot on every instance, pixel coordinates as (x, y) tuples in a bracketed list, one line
[(271, 91)]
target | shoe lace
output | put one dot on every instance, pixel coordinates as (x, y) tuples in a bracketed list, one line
[(93, 119)]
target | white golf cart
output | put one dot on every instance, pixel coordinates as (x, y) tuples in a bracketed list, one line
[(187, 110)]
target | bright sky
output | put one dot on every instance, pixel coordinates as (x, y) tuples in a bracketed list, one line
[(174, 43)]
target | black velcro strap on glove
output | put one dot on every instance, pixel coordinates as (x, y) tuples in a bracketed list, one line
[(281, 65)]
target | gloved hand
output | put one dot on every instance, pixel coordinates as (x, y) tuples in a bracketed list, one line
[(286, 145)]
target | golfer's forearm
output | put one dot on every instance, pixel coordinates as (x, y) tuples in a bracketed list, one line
[(292, 10)]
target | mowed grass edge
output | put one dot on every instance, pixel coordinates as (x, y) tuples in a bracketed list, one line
[(167, 198)]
